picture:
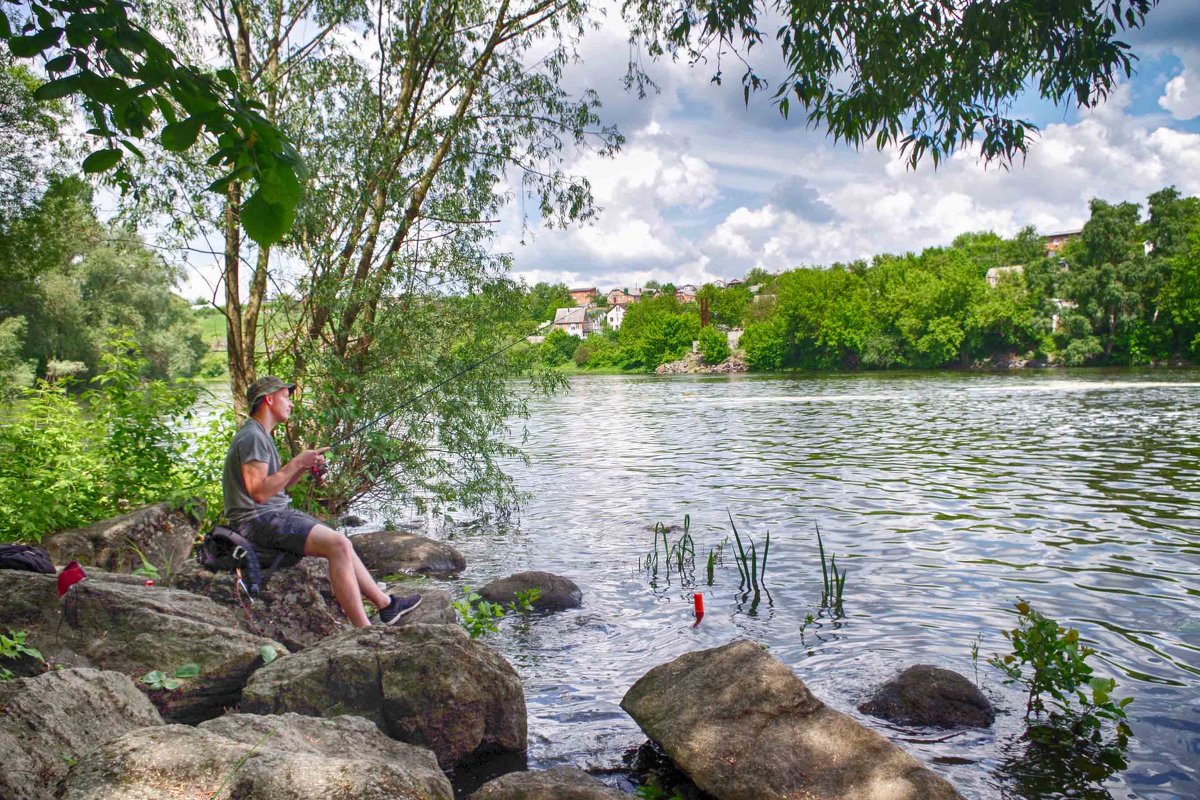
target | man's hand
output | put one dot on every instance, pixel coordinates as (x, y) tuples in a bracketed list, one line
[(262, 486), (311, 458)]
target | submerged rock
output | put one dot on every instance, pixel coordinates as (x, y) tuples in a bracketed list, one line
[(558, 783), (394, 552), (928, 695), (163, 534), (557, 592), (132, 628), (429, 685), (52, 720), (288, 757), (742, 725)]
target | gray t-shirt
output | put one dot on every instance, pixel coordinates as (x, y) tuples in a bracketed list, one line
[(250, 443)]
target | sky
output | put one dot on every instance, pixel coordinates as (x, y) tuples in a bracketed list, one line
[(708, 188)]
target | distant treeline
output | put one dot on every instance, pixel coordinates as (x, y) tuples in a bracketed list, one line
[(1125, 291)]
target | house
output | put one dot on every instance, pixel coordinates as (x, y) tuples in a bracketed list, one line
[(571, 320), (583, 297), (995, 274), (615, 316), (720, 284), (686, 293), (735, 282), (1053, 242), (623, 297)]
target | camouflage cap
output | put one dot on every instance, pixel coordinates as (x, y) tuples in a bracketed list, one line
[(268, 384)]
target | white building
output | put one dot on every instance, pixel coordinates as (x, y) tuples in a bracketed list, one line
[(571, 320), (614, 317)]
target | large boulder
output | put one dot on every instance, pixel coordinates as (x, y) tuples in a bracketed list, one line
[(429, 685), (397, 552), (931, 696), (296, 605), (557, 783), (557, 592), (54, 719), (288, 757), (111, 624), (741, 725), (162, 533)]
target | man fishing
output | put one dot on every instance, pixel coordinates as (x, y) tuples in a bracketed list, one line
[(257, 505)]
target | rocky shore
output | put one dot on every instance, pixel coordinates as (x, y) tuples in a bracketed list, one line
[(282, 700)]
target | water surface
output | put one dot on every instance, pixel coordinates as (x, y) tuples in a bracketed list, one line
[(946, 497)]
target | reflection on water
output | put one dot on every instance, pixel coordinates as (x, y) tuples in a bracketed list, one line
[(944, 497)]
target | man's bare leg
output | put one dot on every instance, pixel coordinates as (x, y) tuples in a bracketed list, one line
[(344, 573)]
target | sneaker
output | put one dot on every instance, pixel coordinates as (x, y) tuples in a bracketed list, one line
[(398, 608)]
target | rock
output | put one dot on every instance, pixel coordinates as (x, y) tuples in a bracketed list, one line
[(428, 685), (557, 592), (54, 719), (136, 629), (928, 695), (741, 725), (353, 521), (558, 783), (393, 552), (296, 606), (163, 534), (694, 363), (288, 757)]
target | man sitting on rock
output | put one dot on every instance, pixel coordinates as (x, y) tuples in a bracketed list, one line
[(257, 505)]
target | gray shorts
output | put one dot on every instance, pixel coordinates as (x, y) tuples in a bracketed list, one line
[(283, 531)]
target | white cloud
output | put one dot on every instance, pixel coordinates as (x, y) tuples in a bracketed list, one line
[(1181, 95)]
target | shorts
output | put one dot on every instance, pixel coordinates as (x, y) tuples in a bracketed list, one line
[(283, 531)]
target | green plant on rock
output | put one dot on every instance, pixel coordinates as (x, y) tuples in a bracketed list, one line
[(524, 600), (161, 681), (478, 616), (1050, 662), (12, 646)]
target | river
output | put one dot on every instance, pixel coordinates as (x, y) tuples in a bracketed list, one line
[(945, 496)]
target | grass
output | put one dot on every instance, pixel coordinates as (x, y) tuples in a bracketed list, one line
[(681, 555), (833, 581), (752, 573)]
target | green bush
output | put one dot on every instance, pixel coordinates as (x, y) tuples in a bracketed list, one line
[(72, 461), (714, 345), (559, 347), (765, 345)]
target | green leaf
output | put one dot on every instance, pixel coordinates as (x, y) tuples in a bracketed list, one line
[(154, 678), (267, 654), (56, 89), (189, 670), (101, 160), (179, 136), (60, 64), (266, 222), (229, 78), (30, 46), (170, 684)]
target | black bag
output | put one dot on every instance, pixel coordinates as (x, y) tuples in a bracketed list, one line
[(22, 556), (226, 550)]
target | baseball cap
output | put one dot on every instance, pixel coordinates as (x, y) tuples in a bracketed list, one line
[(268, 384)]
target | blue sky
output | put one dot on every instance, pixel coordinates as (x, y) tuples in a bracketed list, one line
[(707, 188)]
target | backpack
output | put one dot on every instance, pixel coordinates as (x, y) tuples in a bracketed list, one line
[(24, 557), (226, 550)]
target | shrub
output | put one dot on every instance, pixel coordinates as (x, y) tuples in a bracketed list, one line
[(69, 462), (765, 345), (558, 347), (714, 345)]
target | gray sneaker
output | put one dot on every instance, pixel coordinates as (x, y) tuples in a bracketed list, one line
[(398, 608)]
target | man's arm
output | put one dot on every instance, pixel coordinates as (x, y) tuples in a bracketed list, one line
[(262, 487)]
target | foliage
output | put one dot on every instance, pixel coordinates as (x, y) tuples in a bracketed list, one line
[(129, 83), (753, 574), (70, 462), (657, 330), (543, 299), (559, 347), (12, 646), (1059, 675), (32, 136), (481, 616), (650, 790), (161, 681), (714, 345), (928, 78), (268, 654), (680, 555), (765, 344)]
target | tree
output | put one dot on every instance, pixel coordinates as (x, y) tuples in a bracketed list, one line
[(927, 77), (714, 345), (130, 84), (545, 298), (29, 138)]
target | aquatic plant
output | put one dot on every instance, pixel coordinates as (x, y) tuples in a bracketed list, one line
[(680, 555), (753, 575), (833, 581), (481, 616), (1059, 676)]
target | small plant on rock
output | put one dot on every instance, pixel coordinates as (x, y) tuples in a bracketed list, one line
[(12, 646), (479, 616), (161, 681)]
